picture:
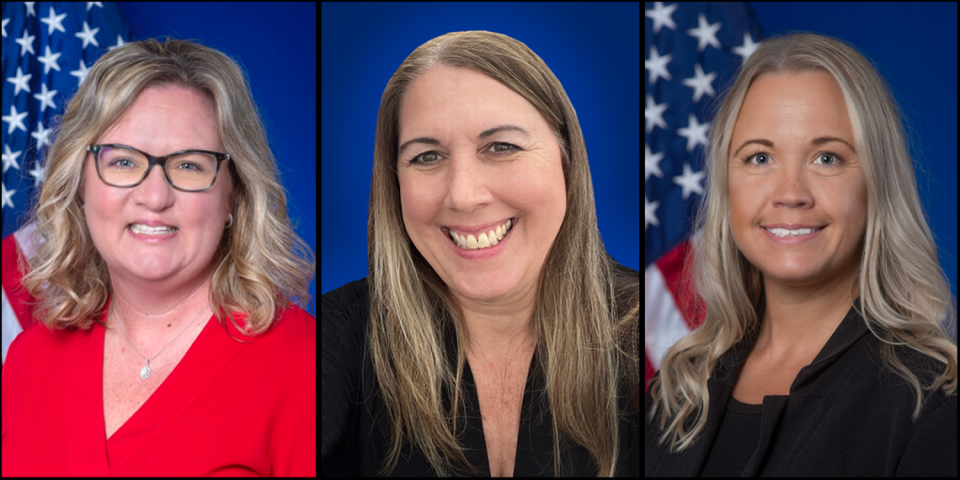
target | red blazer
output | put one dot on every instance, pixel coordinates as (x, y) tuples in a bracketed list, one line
[(227, 409)]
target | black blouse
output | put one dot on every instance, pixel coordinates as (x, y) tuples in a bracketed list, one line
[(355, 436), (846, 415)]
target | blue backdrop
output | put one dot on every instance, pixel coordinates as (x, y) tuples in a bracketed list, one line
[(915, 47), (593, 48)]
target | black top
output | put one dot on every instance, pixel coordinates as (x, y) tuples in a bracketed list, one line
[(355, 439), (846, 415)]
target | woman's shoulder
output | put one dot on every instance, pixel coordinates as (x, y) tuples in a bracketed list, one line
[(926, 368), (22, 344), (626, 288), (297, 326), (349, 297), (343, 313), (624, 273), (39, 338), (346, 305), (39, 351)]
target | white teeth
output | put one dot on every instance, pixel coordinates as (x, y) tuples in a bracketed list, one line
[(792, 233), (484, 240), (145, 230)]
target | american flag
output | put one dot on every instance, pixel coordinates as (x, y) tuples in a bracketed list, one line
[(48, 48), (691, 50)]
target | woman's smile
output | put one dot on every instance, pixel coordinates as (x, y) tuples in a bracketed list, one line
[(482, 252)]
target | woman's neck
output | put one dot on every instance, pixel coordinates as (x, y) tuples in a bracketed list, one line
[(148, 316)]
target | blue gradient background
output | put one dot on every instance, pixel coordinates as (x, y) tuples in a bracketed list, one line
[(593, 48)]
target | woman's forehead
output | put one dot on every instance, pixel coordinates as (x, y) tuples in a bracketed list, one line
[(461, 99), (793, 107)]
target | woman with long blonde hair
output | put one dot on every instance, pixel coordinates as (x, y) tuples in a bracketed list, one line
[(494, 334), (823, 351)]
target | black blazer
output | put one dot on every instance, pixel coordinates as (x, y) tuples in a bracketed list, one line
[(846, 415)]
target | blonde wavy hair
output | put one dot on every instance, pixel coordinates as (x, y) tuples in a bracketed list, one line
[(262, 264), (904, 296), (585, 300)]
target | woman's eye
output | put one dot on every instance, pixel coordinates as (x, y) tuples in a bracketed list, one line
[(420, 159), (828, 159), (426, 154), (509, 147)]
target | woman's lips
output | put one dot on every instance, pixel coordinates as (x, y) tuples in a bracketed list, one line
[(791, 241), (481, 253), (153, 239)]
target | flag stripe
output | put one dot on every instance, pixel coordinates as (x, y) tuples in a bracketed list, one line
[(11, 325), (663, 323), (17, 303), (19, 299)]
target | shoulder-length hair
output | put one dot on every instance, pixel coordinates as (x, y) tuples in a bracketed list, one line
[(258, 267), (903, 292), (576, 313)]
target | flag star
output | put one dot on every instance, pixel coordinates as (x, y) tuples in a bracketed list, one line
[(15, 120), (88, 36), (39, 174), (8, 197), (695, 133), (657, 66), (120, 43), (46, 97), (5, 22), (81, 73), (91, 4), (10, 158), (747, 48), (20, 82), (42, 136), (49, 61), (54, 22), (30, 11), (651, 163), (650, 213), (661, 16), (654, 112), (701, 83), (26, 43), (706, 34), (690, 181)]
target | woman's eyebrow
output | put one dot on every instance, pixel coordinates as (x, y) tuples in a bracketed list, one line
[(484, 134), (816, 142)]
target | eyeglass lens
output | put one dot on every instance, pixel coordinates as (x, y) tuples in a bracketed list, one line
[(123, 168)]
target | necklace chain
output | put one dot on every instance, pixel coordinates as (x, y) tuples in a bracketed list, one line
[(185, 300), (145, 371)]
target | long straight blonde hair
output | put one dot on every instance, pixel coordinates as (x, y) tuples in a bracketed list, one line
[(904, 295), (585, 300)]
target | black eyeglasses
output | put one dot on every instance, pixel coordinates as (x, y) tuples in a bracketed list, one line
[(123, 166)]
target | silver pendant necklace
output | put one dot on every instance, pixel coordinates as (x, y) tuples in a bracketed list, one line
[(145, 371)]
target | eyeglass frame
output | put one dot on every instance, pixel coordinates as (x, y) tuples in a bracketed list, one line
[(162, 161)]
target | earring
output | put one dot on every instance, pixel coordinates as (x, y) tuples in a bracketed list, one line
[(231, 221)]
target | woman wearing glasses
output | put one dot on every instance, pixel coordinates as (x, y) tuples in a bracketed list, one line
[(167, 343)]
